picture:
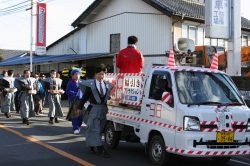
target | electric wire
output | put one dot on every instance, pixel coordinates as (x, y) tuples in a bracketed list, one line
[(18, 9)]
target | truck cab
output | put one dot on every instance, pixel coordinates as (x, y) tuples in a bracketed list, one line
[(189, 111)]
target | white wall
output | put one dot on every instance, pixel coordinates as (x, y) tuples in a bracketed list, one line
[(152, 30), (114, 7), (76, 41)]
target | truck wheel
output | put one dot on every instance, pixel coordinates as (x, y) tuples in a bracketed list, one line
[(111, 136), (221, 160), (157, 151)]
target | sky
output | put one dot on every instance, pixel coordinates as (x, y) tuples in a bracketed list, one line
[(15, 28)]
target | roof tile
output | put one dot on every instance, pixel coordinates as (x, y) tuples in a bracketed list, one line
[(190, 8)]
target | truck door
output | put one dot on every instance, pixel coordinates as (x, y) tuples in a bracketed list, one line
[(162, 114)]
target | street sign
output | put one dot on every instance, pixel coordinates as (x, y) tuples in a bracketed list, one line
[(218, 19)]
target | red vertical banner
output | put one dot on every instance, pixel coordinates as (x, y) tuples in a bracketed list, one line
[(41, 29), (112, 93), (120, 87)]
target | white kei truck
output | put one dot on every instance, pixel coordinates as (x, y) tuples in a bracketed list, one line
[(188, 111)]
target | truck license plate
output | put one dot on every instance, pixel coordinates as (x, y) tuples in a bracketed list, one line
[(223, 137)]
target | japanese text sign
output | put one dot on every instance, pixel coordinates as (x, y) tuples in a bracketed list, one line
[(217, 19), (128, 88)]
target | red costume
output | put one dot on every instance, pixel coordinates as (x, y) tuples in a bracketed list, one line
[(130, 60)]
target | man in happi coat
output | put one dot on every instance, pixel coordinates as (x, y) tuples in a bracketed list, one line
[(97, 92), (7, 95), (74, 98), (26, 85), (52, 85)]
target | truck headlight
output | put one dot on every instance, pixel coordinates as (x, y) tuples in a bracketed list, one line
[(248, 125), (191, 123)]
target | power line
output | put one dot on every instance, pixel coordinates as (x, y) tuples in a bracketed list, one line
[(6, 1), (18, 9), (14, 5), (16, 30)]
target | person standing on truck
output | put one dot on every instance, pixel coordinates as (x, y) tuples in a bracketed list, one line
[(74, 98), (130, 60), (97, 92)]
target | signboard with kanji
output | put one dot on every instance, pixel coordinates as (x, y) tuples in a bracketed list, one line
[(217, 19), (128, 88)]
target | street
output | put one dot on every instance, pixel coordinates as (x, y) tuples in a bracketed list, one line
[(41, 143)]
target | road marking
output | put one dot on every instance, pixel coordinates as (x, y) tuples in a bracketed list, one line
[(239, 162), (65, 154)]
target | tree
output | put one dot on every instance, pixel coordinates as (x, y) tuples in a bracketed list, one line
[(1, 56)]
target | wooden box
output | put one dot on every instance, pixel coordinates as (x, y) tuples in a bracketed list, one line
[(113, 102), (54, 92), (33, 92), (12, 90)]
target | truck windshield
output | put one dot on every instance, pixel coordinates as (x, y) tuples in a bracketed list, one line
[(201, 87)]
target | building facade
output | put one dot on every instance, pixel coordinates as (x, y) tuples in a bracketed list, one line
[(105, 25)]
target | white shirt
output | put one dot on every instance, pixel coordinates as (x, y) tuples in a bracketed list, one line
[(28, 80), (98, 86)]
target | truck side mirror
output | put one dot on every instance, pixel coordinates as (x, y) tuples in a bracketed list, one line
[(166, 97)]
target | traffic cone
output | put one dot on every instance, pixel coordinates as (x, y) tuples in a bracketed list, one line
[(171, 61), (214, 65)]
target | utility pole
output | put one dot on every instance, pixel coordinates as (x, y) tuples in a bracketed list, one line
[(31, 37), (234, 45)]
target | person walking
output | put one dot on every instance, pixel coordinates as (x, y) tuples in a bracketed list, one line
[(97, 91), (53, 87), (27, 86), (16, 94), (8, 103), (74, 97), (38, 96), (43, 95)]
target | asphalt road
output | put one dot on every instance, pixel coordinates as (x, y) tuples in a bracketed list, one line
[(41, 143)]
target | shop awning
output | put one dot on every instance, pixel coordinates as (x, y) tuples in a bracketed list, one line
[(46, 59)]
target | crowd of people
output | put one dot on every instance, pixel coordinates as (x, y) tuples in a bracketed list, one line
[(26, 95)]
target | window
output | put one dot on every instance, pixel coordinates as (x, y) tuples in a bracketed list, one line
[(221, 42), (161, 82), (114, 42), (207, 41), (192, 33), (200, 36), (244, 40), (198, 87), (214, 42), (184, 31), (189, 32), (197, 34), (226, 44), (248, 40)]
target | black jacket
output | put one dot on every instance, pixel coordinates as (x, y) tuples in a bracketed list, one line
[(88, 96)]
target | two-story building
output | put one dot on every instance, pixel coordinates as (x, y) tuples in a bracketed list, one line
[(104, 26)]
